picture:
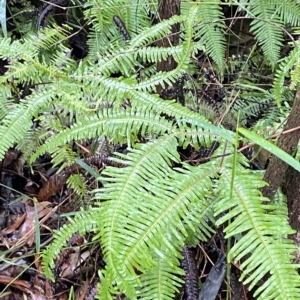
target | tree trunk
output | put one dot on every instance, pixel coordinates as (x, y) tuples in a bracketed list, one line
[(291, 187), (277, 169), (166, 10)]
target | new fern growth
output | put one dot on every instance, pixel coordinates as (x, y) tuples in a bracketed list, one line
[(145, 214)]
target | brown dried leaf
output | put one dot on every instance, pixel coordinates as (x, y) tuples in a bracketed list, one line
[(28, 227), (10, 156), (82, 292), (54, 184), (20, 284), (14, 226)]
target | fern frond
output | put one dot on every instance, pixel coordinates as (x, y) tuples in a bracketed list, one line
[(283, 71), (113, 62), (211, 36), (84, 221), (77, 183), (18, 121), (263, 235), (198, 129), (123, 125), (63, 156), (17, 49), (289, 12), (153, 287), (295, 75), (145, 187), (105, 32), (267, 29), (182, 59), (50, 37), (6, 100), (156, 31), (155, 54)]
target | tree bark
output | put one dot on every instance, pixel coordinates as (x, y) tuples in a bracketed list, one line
[(291, 188), (166, 10), (277, 168)]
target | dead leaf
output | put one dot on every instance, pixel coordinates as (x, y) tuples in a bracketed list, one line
[(28, 227), (54, 183), (17, 283), (14, 226)]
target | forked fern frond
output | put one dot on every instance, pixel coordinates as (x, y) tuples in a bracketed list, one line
[(146, 189)]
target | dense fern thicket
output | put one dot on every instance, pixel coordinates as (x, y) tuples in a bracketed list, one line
[(163, 198)]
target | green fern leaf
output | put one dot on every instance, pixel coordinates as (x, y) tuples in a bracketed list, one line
[(18, 121), (283, 71), (168, 211), (210, 35), (166, 289), (84, 221), (259, 234), (123, 125), (266, 29)]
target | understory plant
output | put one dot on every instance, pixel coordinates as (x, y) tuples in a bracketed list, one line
[(145, 213)]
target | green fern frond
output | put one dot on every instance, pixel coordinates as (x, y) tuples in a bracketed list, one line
[(272, 120), (182, 59), (51, 37), (6, 100), (246, 105), (105, 32), (155, 54), (17, 49), (267, 29), (145, 188), (136, 16), (155, 32), (77, 183), (198, 129), (18, 121), (124, 125), (283, 71), (263, 235), (113, 62), (63, 156), (162, 281), (84, 221), (210, 35), (295, 75), (289, 12)]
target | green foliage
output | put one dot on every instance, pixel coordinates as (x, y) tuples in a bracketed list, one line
[(270, 17), (266, 239), (146, 213)]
